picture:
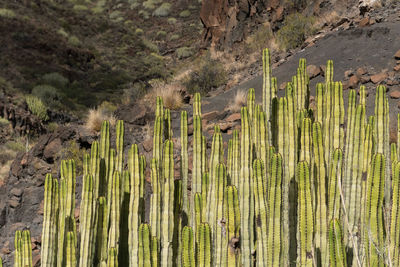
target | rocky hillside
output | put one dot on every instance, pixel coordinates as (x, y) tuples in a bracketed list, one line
[(112, 52)]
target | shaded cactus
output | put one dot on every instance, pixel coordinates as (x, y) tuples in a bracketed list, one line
[(144, 246), (188, 259), (335, 174), (70, 255), (203, 246), (102, 231), (114, 233), (112, 260), (337, 252), (155, 201), (395, 218), (187, 212), (155, 255)]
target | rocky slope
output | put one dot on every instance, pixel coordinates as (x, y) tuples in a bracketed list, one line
[(363, 51)]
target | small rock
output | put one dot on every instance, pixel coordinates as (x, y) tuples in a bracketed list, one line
[(395, 94), (360, 72), (313, 71), (212, 115), (233, 117), (397, 55), (365, 79), (348, 73), (226, 126), (16, 192), (13, 203), (148, 144), (323, 69), (282, 86), (364, 22), (396, 68), (353, 81), (52, 148), (6, 248), (377, 78)]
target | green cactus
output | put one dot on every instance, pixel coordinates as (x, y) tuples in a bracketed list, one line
[(70, 255), (235, 158), (319, 100), (335, 174), (373, 220), (398, 135), (155, 201), (329, 72), (144, 245), (394, 237), (123, 253), (177, 244), (320, 180), (102, 231), (205, 186), (155, 256), (246, 191), (274, 211), (50, 220), (337, 252), (1, 262), (268, 92), (301, 86), (198, 211), (305, 226), (197, 104), (114, 233), (87, 222), (188, 259), (197, 156), (119, 141), (187, 212), (167, 215), (203, 246), (18, 260), (232, 218), (27, 249), (167, 124), (158, 140), (112, 260), (260, 212)]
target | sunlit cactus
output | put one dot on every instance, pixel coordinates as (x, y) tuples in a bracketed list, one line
[(337, 252)]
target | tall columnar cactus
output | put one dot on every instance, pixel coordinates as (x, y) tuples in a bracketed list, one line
[(329, 72), (246, 191), (260, 212), (274, 211), (18, 256), (197, 104), (119, 141), (305, 216), (215, 213), (155, 255), (50, 221), (381, 131), (198, 211), (184, 168), (102, 231), (398, 135), (104, 147), (155, 201), (301, 86), (94, 169), (167, 124), (268, 93), (87, 222), (158, 140), (203, 246), (335, 174), (374, 225), (134, 204), (353, 169), (369, 146), (70, 255), (1, 262), (205, 186), (23, 250), (394, 237), (320, 179), (177, 244), (144, 246), (167, 215), (263, 142), (188, 259), (197, 155), (123, 253), (337, 252), (114, 233), (112, 260), (235, 158), (66, 207), (319, 101), (232, 220)]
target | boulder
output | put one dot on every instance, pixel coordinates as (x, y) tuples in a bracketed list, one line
[(395, 94), (378, 78), (397, 54), (313, 71)]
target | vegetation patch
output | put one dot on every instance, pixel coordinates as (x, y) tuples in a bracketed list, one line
[(184, 52), (37, 107), (185, 13), (163, 11), (7, 13)]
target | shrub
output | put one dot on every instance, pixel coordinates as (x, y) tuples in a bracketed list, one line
[(163, 10), (139, 31), (4, 122), (96, 117), (37, 107), (296, 28), (55, 79), (7, 13), (262, 36), (63, 33), (50, 96), (116, 16), (170, 93), (149, 45), (184, 52), (161, 35), (15, 146), (185, 13), (72, 150), (239, 101), (144, 14), (149, 4), (73, 40), (80, 8), (211, 74), (171, 20), (174, 37)]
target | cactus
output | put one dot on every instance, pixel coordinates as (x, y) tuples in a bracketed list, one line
[(301, 86), (120, 146), (320, 180), (235, 158), (154, 252), (155, 207), (144, 245), (335, 174), (87, 221), (123, 246), (232, 219), (177, 244), (134, 204), (102, 231), (167, 124), (114, 233), (319, 100), (395, 218), (188, 259), (329, 72), (203, 246), (205, 186), (1, 262), (268, 92), (187, 212), (18, 249), (112, 260), (337, 253), (246, 191), (158, 140), (198, 211), (305, 216), (215, 213), (374, 229), (50, 220), (167, 215), (274, 210), (70, 260), (197, 157), (260, 213)]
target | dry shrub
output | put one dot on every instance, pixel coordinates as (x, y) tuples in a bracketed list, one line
[(239, 101), (170, 93), (96, 117)]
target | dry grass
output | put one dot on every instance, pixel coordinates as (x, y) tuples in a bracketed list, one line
[(239, 101), (170, 93), (96, 117)]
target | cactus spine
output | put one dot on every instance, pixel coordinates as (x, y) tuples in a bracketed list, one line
[(337, 250)]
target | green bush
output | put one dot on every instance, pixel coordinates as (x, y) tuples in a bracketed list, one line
[(15, 146), (37, 107), (258, 40), (116, 16), (63, 33), (211, 74), (80, 8), (161, 35), (296, 28), (55, 79), (149, 4), (163, 10), (185, 14), (7, 13), (171, 20), (4, 122), (50, 95), (149, 45), (174, 37), (72, 150), (184, 52), (73, 40)]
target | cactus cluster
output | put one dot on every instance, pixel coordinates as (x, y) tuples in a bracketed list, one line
[(296, 189)]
